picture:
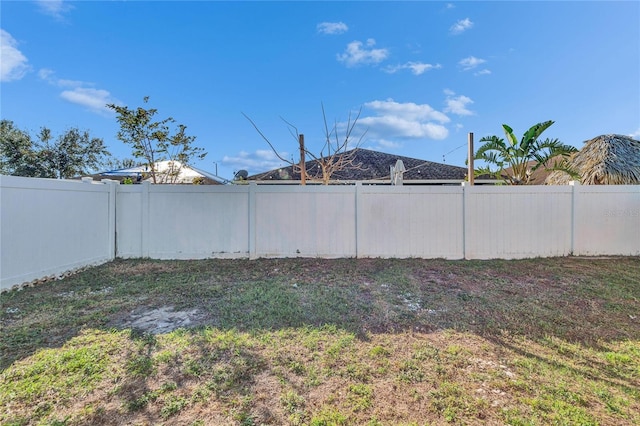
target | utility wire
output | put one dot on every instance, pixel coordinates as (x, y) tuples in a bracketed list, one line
[(454, 149)]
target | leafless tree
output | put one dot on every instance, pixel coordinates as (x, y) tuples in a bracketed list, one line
[(338, 153)]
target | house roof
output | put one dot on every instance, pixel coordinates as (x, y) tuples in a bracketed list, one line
[(538, 175), (372, 165), (168, 172), (604, 160)]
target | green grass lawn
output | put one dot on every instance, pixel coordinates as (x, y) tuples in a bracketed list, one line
[(327, 342)]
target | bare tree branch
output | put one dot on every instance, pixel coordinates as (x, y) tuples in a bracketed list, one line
[(267, 140), (338, 157)]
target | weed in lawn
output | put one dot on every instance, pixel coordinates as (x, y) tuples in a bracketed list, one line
[(338, 347), (410, 371), (451, 402), (294, 406), (313, 377), (292, 402), (141, 366), (328, 416), (359, 396), (172, 405), (557, 411), (379, 351)]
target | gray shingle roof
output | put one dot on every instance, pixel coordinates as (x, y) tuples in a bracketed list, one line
[(374, 165)]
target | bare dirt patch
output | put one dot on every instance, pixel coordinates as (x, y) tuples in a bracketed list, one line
[(137, 267), (162, 320)]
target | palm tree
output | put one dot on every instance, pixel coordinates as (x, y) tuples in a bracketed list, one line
[(516, 161)]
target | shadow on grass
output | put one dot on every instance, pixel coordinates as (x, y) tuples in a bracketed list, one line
[(575, 299)]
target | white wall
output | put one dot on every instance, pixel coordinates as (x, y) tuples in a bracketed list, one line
[(48, 227)]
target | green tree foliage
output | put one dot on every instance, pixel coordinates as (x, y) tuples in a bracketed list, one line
[(72, 154), (75, 153), (124, 163), (18, 156), (515, 161), (155, 141)]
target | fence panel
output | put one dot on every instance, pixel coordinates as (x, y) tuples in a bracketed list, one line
[(511, 222), (49, 227), (311, 221), (410, 221), (197, 222), (607, 220), (129, 221)]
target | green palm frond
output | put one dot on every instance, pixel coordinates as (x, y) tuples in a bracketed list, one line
[(508, 131), (534, 133), (517, 157)]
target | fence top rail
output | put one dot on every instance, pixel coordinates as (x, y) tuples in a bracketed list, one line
[(20, 182), (374, 182)]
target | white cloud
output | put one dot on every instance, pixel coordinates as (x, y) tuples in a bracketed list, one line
[(457, 104), (461, 26), (483, 72), (332, 27), (14, 65), (450, 6), (408, 110), (470, 63), (54, 8), (95, 100), (385, 144), (393, 120), (256, 162), (417, 68), (356, 53), (636, 134), (48, 75)]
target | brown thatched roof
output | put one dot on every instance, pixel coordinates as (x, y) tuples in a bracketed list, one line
[(604, 160)]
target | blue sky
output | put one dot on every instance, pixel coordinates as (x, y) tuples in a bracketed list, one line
[(424, 74)]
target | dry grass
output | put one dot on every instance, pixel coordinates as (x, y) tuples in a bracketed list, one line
[(328, 342)]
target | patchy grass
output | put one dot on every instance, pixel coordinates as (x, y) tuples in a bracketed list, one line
[(328, 342)]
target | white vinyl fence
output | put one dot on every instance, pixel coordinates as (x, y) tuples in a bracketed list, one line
[(49, 226)]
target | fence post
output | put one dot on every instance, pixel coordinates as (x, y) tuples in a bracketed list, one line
[(358, 187), (113, 242), (574, 189), (465, 219), (252, 219), (145, 216)]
